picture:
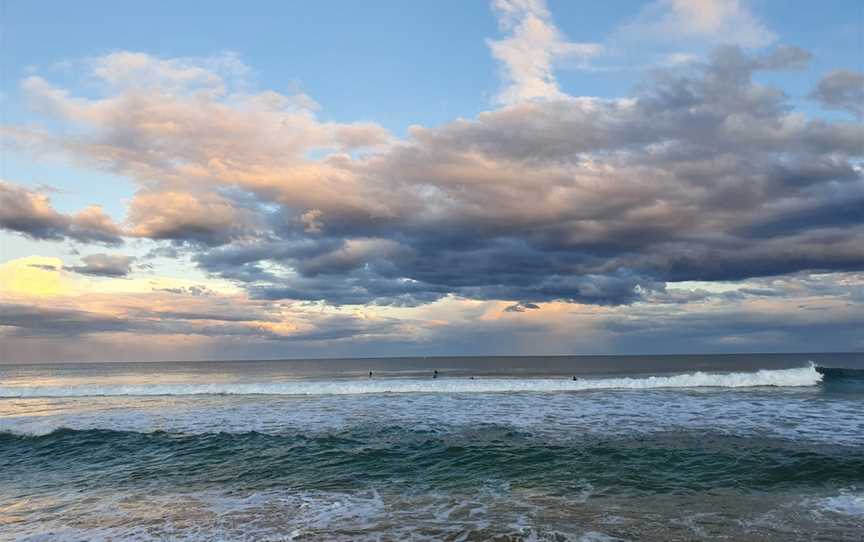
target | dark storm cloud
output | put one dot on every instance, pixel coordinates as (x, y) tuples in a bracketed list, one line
[(30, 213), (356, 288), (702, 176), (843, 90), (31, 320), (105, 265), (501, 274)]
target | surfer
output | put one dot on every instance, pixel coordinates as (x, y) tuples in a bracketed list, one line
[(370, 374), (435, 373)]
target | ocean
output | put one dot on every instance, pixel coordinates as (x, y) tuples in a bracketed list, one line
[(737, 447)]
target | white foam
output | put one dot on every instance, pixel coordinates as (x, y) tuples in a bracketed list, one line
[(804, 376), (595, 536), (847, 505)]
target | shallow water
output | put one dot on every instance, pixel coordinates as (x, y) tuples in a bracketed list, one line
[(149, 452)]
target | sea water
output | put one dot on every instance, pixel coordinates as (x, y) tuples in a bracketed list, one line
[(745, 447)]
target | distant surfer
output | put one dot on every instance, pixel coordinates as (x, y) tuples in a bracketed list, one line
[(435, 373), (370, 374), (575, 379)]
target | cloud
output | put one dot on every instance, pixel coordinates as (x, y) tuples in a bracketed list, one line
[(701, 212), (528, 53), (29, 320), (194, 290), (202, 217), (105, 265), (702, 174), (521, 307), (803, 311), (133, 70), (843, 90), (30, 212), (714, 22), (311, 221), (32, 307), (741, 328)]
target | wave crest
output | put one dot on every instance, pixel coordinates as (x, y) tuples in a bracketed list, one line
[(803, 376)]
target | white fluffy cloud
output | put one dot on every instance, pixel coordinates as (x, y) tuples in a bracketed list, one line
[(529, 51), (713, 22)]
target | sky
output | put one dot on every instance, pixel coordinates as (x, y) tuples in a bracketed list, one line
[(198, 180)]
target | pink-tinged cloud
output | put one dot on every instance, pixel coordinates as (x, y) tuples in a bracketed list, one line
[(30, 213), (703, 174)]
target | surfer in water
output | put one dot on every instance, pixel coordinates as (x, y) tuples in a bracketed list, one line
[(370, 374), (435, 373)]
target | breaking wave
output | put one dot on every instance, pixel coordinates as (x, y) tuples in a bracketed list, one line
[(803, 376)]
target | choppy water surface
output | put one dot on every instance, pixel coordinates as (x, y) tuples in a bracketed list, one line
[(755, 448)]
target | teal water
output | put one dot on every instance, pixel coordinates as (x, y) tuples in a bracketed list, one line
[(717, 455)]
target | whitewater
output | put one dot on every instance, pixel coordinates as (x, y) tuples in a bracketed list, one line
[(756, 447), (804, 376)]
